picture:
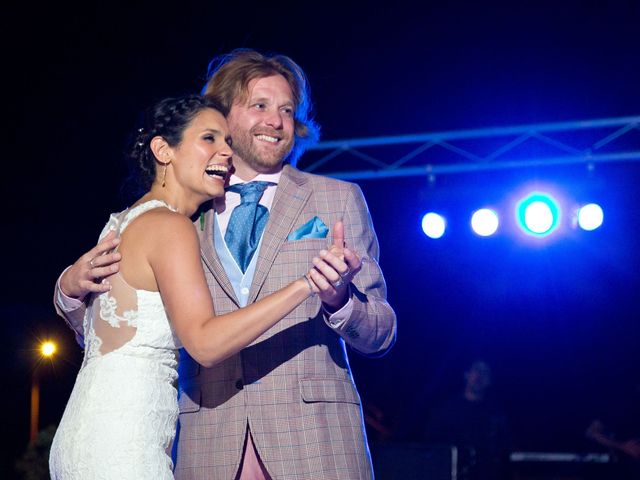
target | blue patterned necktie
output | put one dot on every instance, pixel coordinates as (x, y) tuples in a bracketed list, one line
[(247, 222)]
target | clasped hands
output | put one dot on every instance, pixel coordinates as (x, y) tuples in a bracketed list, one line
[(333, 269)]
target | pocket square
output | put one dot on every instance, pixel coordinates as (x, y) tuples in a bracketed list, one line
[(314, 228)]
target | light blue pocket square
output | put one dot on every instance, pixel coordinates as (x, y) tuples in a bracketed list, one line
[(314, 228)]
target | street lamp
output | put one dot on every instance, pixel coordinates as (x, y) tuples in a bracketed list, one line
[(47, 349)]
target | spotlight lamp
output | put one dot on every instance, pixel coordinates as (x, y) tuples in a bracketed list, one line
[(433, 225), (590, 216), (538, 214), (484, 222)]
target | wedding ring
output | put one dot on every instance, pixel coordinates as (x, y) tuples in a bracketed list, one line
[(338, 283)]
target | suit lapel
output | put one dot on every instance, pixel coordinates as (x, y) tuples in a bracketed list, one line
[(210, 256), (290, 198)]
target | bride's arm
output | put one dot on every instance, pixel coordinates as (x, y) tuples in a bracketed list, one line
[(174, 258)]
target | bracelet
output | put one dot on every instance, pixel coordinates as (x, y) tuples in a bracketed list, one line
[(313, 293)]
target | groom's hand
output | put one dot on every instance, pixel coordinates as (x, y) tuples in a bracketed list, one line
[(84, 276), (333, 271)]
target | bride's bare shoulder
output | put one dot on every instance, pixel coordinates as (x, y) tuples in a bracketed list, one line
[(162, 227)]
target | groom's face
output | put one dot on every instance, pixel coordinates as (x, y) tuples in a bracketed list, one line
[(261, 125)]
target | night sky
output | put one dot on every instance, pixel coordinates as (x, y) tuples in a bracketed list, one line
[(558, 323)]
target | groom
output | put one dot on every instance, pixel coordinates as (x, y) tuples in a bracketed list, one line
[(286, 406)]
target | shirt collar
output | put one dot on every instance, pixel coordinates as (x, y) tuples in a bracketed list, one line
[(266, 177)]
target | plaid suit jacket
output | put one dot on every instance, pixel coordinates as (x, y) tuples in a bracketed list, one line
[(292, 386)]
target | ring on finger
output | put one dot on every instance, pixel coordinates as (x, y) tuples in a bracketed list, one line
[(345, 273), (338, 283)]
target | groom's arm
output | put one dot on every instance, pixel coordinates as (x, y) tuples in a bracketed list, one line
[(71, 309), (365, 320)]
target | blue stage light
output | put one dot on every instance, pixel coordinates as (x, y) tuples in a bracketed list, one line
[(433, 225), (538, 214), (590, 216), (484, 222)]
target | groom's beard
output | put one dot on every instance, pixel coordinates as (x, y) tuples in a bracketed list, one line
[(257, 155)]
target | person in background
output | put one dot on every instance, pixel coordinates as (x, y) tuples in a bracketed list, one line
[(475, 424)]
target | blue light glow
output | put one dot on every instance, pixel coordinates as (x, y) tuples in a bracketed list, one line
[(590, 216), (433, 225), (485, 222), (538, 214)]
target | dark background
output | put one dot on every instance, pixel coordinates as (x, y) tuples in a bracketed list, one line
[(557, 321)]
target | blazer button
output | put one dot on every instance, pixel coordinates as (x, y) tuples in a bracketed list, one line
[(239, 384)]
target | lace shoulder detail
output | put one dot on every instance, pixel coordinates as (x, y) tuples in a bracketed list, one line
[(112, 225)]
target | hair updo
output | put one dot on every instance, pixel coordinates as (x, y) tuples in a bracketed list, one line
[(168, 118)]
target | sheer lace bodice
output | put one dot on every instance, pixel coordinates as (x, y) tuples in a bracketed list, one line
[(113, 322), (121, 416)]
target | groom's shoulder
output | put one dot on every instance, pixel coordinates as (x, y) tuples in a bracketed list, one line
[(321, 183)]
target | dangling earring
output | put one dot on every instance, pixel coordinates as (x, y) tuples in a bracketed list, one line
[(164, 175)]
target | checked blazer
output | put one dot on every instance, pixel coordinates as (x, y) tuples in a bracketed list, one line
[(293, 385)]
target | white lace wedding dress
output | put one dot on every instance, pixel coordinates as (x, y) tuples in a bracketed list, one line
[(121, 416)]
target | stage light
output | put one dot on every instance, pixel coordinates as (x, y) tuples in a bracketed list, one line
[(590, 216), (433, 225), (538, 214), (484, 222)]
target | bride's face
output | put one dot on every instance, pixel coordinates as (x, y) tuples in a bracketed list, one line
[(201, 161)]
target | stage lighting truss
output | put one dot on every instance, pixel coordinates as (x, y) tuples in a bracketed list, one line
[(428, 154)]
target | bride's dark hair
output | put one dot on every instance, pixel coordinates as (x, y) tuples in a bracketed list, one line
[(168, 119)]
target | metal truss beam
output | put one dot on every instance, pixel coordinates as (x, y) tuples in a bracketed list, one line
[(564, 143)]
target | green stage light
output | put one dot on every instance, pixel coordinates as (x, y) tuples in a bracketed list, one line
[(538, 214)]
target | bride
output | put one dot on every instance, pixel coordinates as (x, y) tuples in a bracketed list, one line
[(121, 416)]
